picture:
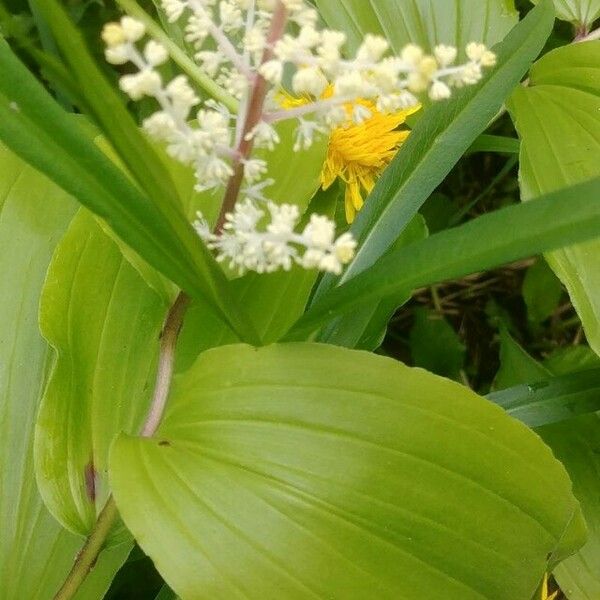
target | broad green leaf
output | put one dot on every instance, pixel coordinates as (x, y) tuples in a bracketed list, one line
[(581, 13), (36, 553), (423, 22), (103, 322), (565, 217), (558, 120), (40, 132), (306, 470), (576, 444), (542, 292), (551, 400), (439, 139)]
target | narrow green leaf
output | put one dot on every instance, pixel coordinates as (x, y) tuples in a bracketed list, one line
[(104, 323), (558, 120), (551, 400), (294, 485), (36, 553), (559, 219), (438, 141)]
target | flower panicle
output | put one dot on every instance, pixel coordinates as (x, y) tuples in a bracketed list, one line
[(233, 44), (266, 241)]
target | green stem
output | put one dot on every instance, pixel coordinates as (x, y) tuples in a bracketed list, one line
[(87, 556), (179, 56)]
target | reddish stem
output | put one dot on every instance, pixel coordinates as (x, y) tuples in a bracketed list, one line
[(254, 115)]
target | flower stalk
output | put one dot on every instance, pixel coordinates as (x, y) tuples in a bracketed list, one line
[(253, 116)]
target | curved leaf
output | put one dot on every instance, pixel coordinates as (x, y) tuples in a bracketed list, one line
[(423, 22), (103, 321), (296, 485), (36, 553), (558, 120)]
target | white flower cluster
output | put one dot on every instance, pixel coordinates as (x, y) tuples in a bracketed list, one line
[(254, 241), (254, 49), (231, 38)]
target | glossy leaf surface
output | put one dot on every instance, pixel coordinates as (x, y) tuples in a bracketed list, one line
[(305, 470)]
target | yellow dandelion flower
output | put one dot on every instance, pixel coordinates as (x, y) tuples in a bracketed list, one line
[(358, 153), (545, 594)]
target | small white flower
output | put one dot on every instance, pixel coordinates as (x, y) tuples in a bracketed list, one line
[(211, 60), (160, 125), (156, 54), (113, 34), (320, 232), (412, 54), (254, 169), (305, 134), (372, 49), (475, 51), (133, 30), (231, 16), (118, 55), (309, 80), (173, 9), (272, 71), (445, 55), (439, 91), (144, 83), (264, 136)]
